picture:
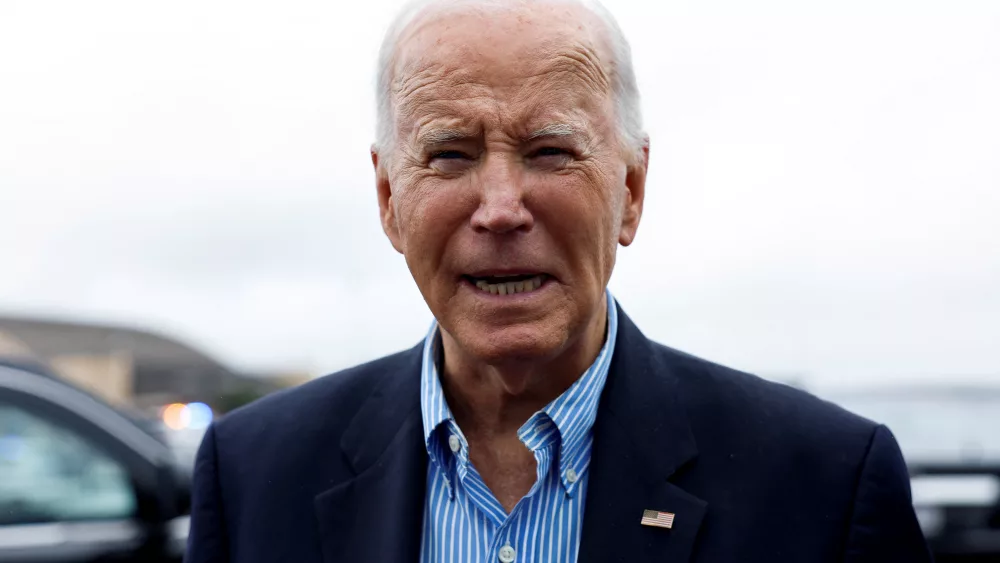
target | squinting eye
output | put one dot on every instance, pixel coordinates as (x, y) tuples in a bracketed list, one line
[(550, 151), (448, 155)]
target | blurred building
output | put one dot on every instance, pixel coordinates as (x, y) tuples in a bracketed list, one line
[(130, 365)]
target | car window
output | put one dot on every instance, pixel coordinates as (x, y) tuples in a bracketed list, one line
[(49, 473)]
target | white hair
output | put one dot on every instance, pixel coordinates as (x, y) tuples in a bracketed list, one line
[(623, 82)]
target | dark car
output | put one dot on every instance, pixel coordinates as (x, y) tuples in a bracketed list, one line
[(81, 480), (950, 437)]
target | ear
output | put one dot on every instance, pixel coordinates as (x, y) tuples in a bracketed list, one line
[(635, 194), (387, 212)]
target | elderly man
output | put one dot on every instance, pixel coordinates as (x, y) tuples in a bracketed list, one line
[(535, 423)]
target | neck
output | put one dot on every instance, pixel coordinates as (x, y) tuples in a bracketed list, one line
[(496, 399)]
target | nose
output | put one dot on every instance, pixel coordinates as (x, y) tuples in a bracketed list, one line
[(501, 204)]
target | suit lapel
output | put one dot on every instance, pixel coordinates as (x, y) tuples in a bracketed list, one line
[(377, 515), (641, 439)]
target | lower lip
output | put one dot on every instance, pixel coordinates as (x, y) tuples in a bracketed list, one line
[(509, 297)]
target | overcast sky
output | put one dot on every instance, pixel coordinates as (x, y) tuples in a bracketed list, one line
[(823, 196)]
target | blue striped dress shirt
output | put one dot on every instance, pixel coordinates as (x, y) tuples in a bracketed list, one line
[(464, 522)]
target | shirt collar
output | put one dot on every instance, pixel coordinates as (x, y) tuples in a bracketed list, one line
[(573, 412)]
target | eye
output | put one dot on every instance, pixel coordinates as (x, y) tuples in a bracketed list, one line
[(550, 158), (450, 161), (550, 151), (448, 155)]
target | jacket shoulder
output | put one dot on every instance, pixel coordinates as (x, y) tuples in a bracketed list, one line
[(728, 404)]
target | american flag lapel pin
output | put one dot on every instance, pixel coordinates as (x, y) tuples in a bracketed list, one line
[(657, 519)]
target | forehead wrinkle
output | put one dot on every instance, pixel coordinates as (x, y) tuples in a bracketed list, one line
[(445, 98), (561, 77), (412, 84), (557, 59), (577, 61)]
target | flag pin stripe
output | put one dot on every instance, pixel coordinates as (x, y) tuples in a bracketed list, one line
[(657, 519)]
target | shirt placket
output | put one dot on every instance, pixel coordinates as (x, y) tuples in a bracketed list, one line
[(501, 543), (503, 547)]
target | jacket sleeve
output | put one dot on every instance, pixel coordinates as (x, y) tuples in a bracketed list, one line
[(883, 526), (207, 541)]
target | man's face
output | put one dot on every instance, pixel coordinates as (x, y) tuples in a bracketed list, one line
[(507, 189)]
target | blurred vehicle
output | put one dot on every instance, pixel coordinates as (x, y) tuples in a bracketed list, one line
[(83, 481), (950, 437)]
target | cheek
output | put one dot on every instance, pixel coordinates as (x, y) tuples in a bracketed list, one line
[(592, 196), (429, 214), (579, 211)]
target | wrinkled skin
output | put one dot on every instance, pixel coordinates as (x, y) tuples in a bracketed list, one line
[(507, 159)]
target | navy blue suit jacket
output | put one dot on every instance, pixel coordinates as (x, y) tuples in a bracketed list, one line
[(334, 471)]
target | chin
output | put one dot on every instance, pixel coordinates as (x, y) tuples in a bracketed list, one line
[(520, 342)]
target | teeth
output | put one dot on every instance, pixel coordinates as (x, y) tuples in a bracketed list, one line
[(510, 288)]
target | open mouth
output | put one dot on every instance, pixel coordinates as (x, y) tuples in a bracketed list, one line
[(508, 285)]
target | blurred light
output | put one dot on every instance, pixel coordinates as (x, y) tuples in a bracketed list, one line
[(177, 416), (200, 415)]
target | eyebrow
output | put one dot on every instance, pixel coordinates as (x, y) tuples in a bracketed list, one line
[(440, 136), (554, 130)]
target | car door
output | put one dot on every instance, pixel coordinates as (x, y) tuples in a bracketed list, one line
[(78, 481)]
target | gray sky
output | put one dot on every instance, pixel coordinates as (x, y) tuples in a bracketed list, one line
[(823, 198)]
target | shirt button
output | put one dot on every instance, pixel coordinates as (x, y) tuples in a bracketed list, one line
[(507, 554), (454, 443), (571, 476)]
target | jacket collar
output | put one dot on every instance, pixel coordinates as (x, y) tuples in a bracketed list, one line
[(641, 440), (376, 515)]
